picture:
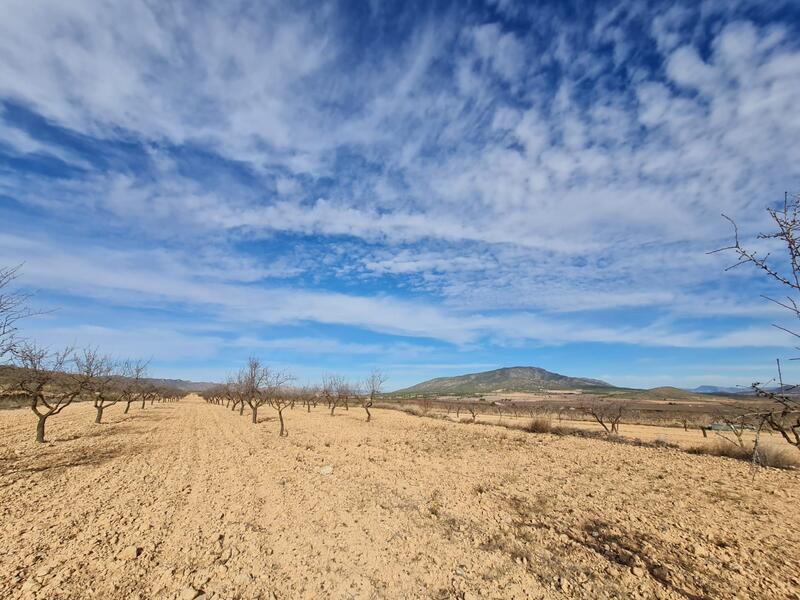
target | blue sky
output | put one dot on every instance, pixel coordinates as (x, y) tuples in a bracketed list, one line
[(429, 189)]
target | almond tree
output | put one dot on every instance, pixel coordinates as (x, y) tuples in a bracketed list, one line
[(372, 387), (277, 395), (607, 414), (13, 307), (336, 390), (51, 381), (131, 385), (229, 392), (251, 380), (103, 388), (236, 394), (783, 416), (150, 392), (309, 394)]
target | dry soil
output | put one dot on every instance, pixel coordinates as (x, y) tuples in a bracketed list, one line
[(189, 499)]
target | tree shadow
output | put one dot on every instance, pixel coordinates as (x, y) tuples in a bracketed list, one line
[(666, 563), (78, 457), (625, 548), (99, 430)]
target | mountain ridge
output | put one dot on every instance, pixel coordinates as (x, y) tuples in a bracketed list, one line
[(517, 379)]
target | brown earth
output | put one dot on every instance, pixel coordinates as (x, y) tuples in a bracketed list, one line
[(190, 495)]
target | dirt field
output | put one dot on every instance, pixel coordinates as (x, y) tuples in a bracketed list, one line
[(186, 498), (647, 433)]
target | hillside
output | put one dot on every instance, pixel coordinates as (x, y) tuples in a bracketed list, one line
[(715, 389), (667, 392), (178, 384), (510, 379), (182, 384)]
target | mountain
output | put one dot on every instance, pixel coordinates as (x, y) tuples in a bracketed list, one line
[(176, 384), (509, 379), (666, 392), (715, 389), (182, 384)]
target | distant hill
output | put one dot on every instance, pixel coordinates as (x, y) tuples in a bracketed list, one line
[(789, 390), (672, 393), (182, 384), (177, 384), (715, 389), (509, 379)]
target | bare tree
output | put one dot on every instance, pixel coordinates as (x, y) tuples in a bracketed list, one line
[(251, 380), (783, 416), (607, 414), (278, 396), (232, 393), (736, 427), (149, 392), (50, 381), (13, 308), (131, 384), (102, 388), (309, 396), (336, 390), (260, 385), (372, 388)]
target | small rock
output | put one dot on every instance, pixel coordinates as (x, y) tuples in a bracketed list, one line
[(31, 586), (661, 573), (43, 571), (130, 553), (638, 571), (326, 470), (189, 593)]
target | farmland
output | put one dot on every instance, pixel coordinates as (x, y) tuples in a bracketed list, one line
[(188, 499)]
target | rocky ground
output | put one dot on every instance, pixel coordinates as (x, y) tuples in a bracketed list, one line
[(190, 500)]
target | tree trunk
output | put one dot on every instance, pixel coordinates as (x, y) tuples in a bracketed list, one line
[(333, 408), (99, 417), (40, 429), (308, 406), (241, 409), (283, 431), (128, 407), (369, 416), (143, 401), (255, 414)]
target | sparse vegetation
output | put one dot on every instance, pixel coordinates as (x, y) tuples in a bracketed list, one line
[(13, 308), (783, 416), (607, 414), (372, 386), (51, 381)]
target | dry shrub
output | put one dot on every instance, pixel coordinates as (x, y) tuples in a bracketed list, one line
[(721, 447), (767, 456), (539, 425), (663, 443), (780, 458), (412, 410)]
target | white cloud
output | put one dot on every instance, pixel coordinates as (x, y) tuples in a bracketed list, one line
[(491, 170), (130, 279)]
